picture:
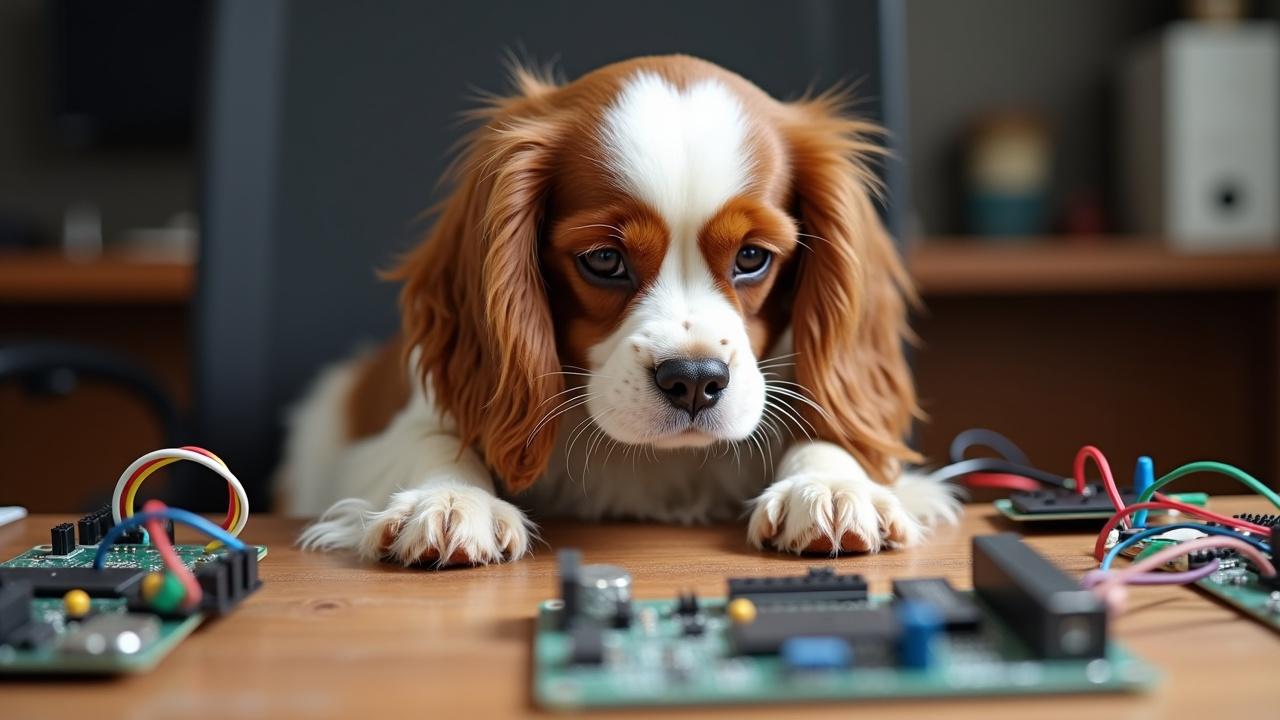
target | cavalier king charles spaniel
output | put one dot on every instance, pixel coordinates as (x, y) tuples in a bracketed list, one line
[(654, 293)]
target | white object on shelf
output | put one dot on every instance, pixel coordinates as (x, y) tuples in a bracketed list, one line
[(1200, 136)]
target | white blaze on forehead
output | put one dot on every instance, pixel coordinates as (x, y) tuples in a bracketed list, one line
[(682, 152)]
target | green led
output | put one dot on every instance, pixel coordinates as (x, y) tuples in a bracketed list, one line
[(170, 595)]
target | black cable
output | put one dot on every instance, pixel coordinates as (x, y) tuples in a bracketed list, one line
[(982, 437), (998, 465)]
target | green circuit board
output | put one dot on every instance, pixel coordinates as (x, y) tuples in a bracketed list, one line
[(1236, 585), (653, 663), (56, 657), (1242, 589), (1006, 508)]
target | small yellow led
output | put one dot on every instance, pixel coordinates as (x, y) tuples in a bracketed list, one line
[(76, 604), (741, 611), (151, 585)]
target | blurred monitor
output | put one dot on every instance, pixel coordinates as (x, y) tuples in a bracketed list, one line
[(126, 72)]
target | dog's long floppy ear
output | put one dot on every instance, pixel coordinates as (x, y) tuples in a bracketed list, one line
[(849, 317), (474, 304)]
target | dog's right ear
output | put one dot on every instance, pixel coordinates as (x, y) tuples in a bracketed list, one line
[(474, 304)]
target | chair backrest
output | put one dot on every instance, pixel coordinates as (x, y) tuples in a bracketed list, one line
[(329, 123)]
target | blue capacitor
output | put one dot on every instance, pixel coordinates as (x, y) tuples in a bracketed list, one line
[(921, 631), (816, 653), (1143, 475)]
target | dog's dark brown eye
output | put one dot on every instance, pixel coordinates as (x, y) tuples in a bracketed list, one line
[(751, 261), (604, 263)]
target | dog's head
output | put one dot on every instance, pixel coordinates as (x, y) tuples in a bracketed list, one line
[(643, 236)]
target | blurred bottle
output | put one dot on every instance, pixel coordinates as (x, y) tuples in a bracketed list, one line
[(1007, 170)]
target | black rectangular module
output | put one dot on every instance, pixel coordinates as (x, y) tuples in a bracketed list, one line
[(1052, 501), (871, 632), (822, 584), (958, 611), (1043, 606), (15, 608), (56, 582), (1274, 581), (586, 642), (569, 564)]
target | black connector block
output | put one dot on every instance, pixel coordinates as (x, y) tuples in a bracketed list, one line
[(89, 531), (821, 584), (94, 525), (1041, 605), (1274, 581), (569, 564), (62, 539), (130, 537), (105, 520), (227, 581)]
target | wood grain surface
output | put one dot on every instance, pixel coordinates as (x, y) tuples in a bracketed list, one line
[(328, 636)]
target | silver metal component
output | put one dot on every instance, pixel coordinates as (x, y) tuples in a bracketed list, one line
[(1273, 602), (113, 634), (601, 588)]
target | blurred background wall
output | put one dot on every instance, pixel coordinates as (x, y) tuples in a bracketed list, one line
[(1047, 315)]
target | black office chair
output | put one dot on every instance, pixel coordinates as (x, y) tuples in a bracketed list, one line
[(329, 123), (57, 368)]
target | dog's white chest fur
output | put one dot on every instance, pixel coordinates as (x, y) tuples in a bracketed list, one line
[(592, 477)]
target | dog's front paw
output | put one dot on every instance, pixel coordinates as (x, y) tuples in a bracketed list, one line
[(821, 513), (446, 524)]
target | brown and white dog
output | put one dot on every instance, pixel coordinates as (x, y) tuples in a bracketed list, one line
[(647, 286)]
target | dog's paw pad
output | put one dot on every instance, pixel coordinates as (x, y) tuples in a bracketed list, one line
[(447, 524), (827, 515)]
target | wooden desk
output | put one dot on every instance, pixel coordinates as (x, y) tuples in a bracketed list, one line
[(330, 637)]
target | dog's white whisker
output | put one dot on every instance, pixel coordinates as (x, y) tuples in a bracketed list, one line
[(789, 412), (797, 396), (556, 412)]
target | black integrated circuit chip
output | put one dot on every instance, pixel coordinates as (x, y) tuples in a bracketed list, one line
[(871, 632), (57, 581), (821, 584), (1053, 501), (958, 611)]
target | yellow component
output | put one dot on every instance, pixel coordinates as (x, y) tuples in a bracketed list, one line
[(151, 585), (741, 611), (75, 603)]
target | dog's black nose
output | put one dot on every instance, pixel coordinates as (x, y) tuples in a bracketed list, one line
[(691, 384)]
